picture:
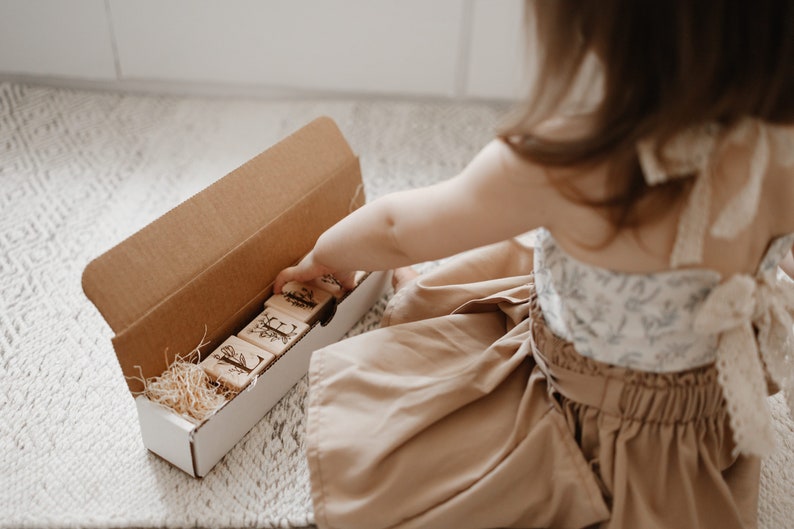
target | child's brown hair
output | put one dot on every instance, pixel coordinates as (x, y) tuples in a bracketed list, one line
[(666, 65)]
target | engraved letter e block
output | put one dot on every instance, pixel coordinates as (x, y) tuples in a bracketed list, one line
[(235, 363), (273, 331)]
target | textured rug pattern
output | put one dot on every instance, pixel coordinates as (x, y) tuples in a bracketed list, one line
[(80, 171)]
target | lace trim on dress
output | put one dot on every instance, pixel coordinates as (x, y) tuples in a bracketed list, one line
[(734, 309)]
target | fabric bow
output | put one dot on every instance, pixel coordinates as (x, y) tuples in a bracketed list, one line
[(731, 311)]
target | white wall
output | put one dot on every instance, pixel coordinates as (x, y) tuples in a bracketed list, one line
[(48, 37), (496, 62), (446, 48)]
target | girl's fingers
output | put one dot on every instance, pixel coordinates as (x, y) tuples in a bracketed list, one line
[(305, 274), (347, 280), (307, 270), (284, 277), (295, 273)]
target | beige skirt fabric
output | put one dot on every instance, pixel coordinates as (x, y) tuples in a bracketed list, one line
[(465, 411)]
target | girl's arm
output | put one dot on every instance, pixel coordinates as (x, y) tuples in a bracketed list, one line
[(497, 196)]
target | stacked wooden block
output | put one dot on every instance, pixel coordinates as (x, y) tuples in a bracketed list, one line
[(286, 317)]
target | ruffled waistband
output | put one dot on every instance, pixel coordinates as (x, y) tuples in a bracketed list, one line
[(630, 394)]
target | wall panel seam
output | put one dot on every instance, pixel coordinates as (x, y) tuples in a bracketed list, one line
[(113, 43)]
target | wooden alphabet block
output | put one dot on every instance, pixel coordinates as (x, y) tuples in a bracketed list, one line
[(273, 331), (302, 301), (330, 285), (236, 362)]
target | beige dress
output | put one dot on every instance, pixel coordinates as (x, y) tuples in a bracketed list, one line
[(465, 410)]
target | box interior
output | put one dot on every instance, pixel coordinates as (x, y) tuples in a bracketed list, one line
[(205, 268)]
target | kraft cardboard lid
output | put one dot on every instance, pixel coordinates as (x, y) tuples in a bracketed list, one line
[(200, 265)]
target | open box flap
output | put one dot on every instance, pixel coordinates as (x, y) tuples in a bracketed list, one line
[(209, 261)]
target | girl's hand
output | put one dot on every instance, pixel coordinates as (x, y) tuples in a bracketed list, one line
[(309, 269)]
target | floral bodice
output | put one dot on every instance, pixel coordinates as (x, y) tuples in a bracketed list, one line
[(640, 321)]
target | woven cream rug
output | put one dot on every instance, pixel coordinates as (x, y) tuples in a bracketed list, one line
[(81, 170)]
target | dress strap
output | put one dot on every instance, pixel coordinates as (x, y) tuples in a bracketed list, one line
[(695, 152)]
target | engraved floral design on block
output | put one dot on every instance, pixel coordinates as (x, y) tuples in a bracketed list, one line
[(236, 362), (301, 301), (274, 331), (239, 363), (270, 326), (329, 284), (303, 298)]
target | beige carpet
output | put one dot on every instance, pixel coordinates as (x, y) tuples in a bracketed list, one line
[(79, 171)]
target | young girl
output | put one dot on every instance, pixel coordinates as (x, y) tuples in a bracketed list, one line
[(616, 374)]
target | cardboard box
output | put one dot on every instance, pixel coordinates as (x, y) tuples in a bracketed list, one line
[(208, 266)]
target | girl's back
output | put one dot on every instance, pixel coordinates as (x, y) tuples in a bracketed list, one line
[(585, 233)]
